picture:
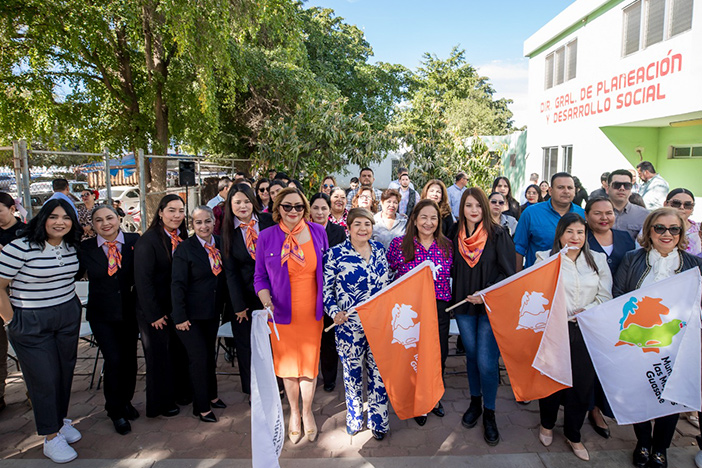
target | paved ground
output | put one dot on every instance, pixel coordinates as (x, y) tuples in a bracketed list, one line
[(184, 441)]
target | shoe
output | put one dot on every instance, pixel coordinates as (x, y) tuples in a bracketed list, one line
[(219, 404), (641, 456), (329, 387), (122, 426), (693, 419), (439, 410), (169, 413), (351, 432), (698, 459), (490, 432), (294, 436), (311, 434), (525, 402), (208, 417), (545, 436), (184, 401), (58, 450), (601, 431), (3, 405), (657, 460), (470, 417), (378, 435), (421, 420), (579, 450), (69, 432), (131, 412)]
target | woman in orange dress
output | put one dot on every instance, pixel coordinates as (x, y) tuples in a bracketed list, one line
[(288, 275)]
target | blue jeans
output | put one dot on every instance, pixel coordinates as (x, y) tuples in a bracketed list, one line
[(482, 357)]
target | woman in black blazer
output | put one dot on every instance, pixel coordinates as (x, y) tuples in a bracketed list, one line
[(167, 379), (242, 210), (108, 260), (198, 289)]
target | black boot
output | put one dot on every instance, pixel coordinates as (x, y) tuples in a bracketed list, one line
[(470, 417), (490, 432)]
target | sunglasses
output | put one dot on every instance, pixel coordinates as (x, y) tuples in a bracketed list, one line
[(289, 208), (85, 195), (673, 230), (263, 189), (497, 202), (618, 185), (328, 186), (677, 204)]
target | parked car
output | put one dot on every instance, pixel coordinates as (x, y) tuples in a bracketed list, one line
[(128, 197)]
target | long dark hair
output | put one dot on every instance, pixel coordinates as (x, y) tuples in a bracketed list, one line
[(538, 192), (444, 207), (7, 200), (488, 223), (157, 223), (260, 181), (509, 187), (565, 221), (411, 232), (228, 220), (35, 232)]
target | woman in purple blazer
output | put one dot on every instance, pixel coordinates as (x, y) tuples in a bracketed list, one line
[(288, 274)]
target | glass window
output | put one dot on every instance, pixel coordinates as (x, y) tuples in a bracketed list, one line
[(567, 159), (550, 166), (572, 49), (548, 82), (681, 17), (655, 20), (632, 27)]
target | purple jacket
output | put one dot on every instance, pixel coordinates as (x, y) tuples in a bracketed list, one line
[(270, 275)]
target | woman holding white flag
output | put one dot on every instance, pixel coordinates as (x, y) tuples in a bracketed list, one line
[(587, 282), (661, 256), (353, 271)]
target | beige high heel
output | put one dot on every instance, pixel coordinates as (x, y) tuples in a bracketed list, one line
[(545, 436), (311, 434), (580, 452), (294, 436)]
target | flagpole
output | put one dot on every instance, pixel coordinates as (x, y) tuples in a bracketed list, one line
[(458, 304)]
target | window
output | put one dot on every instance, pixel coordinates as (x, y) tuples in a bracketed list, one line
[(567, 159), (685, 152), (561, 64), (648, 22), (550, 162)]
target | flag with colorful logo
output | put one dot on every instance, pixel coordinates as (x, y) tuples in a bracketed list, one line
[(401, 326), (645, 346), (528, 316)]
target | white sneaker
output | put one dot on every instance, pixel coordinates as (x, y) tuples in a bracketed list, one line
[(69, 432), (58, 450), (698, 459)]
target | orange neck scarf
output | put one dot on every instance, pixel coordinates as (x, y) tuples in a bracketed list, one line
[(291, 246), (114, 258), (472, 247), (215, 259), (251, 237), (175, 238)]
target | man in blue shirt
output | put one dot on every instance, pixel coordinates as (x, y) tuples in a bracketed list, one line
[(537, 225), (62, 190), (455, 192)]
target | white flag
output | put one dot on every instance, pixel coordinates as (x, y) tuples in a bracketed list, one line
[(645, 346), (267, 427)]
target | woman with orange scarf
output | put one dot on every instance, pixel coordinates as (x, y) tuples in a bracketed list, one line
[(288, 275), (483, 255)]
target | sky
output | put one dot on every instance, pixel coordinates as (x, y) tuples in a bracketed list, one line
[(492, 34)]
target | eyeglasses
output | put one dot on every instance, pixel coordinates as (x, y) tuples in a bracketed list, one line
[(327, 186), (497, 202), (365, 197), (673, 230), (677, 204), (289, 208), (618, 185), (263, 189)]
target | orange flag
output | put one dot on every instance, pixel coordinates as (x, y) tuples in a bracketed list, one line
[(402, 330), (528, 317)]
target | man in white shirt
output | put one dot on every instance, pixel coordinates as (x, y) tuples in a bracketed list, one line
[(395, 184), (654, 189), (456, 191), (366, 177), (222, 190), (533, 180), (410, 197)]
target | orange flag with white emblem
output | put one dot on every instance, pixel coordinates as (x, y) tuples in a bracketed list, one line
[(401, 326), (528, 317)]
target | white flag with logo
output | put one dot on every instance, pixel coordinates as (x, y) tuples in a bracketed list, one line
[(267, 427), (645, 346)]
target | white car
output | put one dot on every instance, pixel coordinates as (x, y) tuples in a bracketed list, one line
[(128, 197)]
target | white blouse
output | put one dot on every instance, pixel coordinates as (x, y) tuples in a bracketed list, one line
[(661, 267), (584, 288)]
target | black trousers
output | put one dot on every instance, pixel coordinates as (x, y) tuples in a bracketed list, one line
[(46, 343), (200, 343), (663, 432), (329, 358), (118, 345), (444, 320), (575, 400), (167, 377), (3, 358), (242, 344)]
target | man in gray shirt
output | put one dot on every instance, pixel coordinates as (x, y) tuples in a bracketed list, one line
[(629, 217), (654, 189)]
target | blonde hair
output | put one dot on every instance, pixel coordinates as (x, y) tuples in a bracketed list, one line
[(645, 237)]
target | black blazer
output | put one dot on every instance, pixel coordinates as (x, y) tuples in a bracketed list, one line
[(635, 266), (196, 293), (152, 273), (335, 234), (110, 298), (622, 242), (239, 268)]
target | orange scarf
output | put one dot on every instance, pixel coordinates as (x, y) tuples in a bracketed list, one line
[(291, 246), (471, 248), (114, 258), (215, 259), (175, 239), (251, 237)]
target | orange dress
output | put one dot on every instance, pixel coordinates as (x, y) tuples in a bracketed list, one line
[(297, 352)]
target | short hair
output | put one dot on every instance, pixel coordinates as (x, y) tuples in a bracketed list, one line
[(102, 206), (354, 180), (281, 176), (621, 172), (592, 201), (223, 183), (460, 176), (402, 170), (644, 239), (637, 199), (240, 174), (204, 208), (59, 185), (389, 193), (534, 176), (646, 166), (604, 177), (367, 169), (321, 195), (361, 189), (284, 193), (7, 200), (558, 175), (355, 213)]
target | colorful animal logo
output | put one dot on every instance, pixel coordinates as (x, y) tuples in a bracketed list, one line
[(404, 330), (533, 314), (642, 325)]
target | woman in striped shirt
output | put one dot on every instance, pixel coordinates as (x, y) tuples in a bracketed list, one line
[(42, 317)]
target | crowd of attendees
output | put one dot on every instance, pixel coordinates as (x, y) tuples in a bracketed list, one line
[(265, 244)]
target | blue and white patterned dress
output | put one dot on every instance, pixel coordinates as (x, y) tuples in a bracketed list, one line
[(348, 281)]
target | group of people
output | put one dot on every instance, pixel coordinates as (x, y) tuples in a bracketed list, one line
[(263, 245)]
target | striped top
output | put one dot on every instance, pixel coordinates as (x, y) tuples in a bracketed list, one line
[(41, 277)]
